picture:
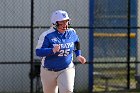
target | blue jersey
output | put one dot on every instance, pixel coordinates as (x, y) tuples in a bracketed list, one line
[(64, 57)]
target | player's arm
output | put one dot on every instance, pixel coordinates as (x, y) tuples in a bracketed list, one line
[(42, 48), (77, 48), (44, 52), (78, 53)]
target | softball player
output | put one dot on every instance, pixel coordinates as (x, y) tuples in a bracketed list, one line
[(56, 47)]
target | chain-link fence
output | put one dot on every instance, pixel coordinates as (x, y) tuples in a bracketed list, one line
[(113, 45)]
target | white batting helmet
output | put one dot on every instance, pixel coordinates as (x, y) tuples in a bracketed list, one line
[(59, 15)]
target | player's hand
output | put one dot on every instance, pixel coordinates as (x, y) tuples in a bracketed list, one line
[(56, 48), (81, 59)]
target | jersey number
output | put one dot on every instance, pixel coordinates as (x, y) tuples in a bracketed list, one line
[(64, 52)]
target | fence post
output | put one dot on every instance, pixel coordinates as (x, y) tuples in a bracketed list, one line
[(91, 45), (128, 49), (32, 44)]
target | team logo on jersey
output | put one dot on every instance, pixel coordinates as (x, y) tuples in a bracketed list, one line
[(64, 15), (54, 39), (66, 45)]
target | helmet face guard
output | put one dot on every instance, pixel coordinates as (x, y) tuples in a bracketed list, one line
[(59, 15)]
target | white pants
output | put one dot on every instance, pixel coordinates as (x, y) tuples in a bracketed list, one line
[(63, 79)]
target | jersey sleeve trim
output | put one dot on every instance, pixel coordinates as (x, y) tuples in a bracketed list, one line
[(77, 52)]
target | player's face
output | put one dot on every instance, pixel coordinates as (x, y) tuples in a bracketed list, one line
[(62, 26)]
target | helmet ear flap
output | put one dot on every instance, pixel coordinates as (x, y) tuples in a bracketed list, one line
[(56, 24), (69, 23)]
